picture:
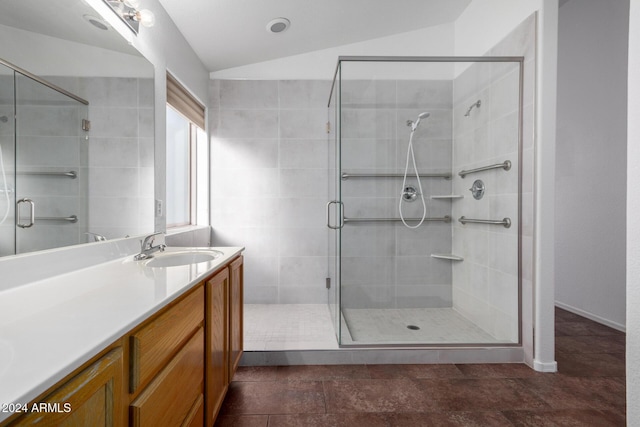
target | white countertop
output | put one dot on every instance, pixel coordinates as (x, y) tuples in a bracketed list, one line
[(50, 327)]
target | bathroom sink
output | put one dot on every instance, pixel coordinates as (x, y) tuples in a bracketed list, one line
[(175, 258)]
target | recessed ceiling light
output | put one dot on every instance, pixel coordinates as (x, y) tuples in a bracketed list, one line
[(96, 22), (278, 25)]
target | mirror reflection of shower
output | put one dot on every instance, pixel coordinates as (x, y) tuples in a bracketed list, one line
[(408, 193), (5, 188)]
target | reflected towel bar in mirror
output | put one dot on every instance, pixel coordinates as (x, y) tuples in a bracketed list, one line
[(506, 222), (346, 175), (70, 218), (70, 174), (445, 218)]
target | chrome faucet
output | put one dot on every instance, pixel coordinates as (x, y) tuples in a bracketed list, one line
[(147, 249)]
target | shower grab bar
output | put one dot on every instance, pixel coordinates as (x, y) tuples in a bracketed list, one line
[(445, 218), (346, 176), (70, 218), (506, 222), (506, 165), (70, 174)]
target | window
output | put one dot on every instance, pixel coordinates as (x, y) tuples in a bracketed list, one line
[(187, 153)]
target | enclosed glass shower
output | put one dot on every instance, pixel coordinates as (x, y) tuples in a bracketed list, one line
[(425, 212), (43, 164)]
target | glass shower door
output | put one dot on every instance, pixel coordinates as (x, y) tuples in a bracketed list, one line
[(7, 163), (51, 167), (423, 261)]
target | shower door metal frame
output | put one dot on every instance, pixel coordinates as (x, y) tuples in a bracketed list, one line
[(338, 143)]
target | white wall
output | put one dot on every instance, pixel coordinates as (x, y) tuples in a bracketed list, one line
[(321, 64), (633, 221), (591, 147)]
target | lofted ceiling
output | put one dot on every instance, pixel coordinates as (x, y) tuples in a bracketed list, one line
[(231, 33)]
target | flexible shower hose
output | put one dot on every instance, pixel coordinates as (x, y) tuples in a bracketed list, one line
[(411, 155)]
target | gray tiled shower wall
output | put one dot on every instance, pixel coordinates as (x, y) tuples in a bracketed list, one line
[(270, 157), (485, 284), (386, 265), (270, 184)]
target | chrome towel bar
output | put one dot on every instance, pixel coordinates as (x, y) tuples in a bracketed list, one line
[(506, 165), (506, 222), (70, 174), (346, 176), (446, 218), (70, 218)]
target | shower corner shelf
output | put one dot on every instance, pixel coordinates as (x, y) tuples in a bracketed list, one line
[(448, 196), (450, 257)]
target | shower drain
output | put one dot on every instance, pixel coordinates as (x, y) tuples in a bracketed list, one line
[(413, 327)]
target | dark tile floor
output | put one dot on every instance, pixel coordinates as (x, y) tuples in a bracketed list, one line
[(588, 390)]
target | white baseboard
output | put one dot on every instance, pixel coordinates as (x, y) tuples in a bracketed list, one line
[(591, 316), (545, 366)]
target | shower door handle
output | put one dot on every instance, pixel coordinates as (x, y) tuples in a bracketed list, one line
[(335, 202), (32, 213)]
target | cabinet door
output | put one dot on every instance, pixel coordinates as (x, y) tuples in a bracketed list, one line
[(169, 398), (235, 315), (153, 345), (94, 397), (217, 343)]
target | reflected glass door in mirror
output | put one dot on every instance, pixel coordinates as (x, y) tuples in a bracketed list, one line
[(104, 181)]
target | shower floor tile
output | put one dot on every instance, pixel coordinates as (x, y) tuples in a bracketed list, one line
[(390, 326), (278, 327)]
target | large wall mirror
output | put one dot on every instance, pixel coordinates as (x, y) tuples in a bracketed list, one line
[(76, 128)]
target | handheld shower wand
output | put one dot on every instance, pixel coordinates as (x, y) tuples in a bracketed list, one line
[(411, 155), (421, 116)]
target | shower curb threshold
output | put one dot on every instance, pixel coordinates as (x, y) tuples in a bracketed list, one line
[(350, 356)]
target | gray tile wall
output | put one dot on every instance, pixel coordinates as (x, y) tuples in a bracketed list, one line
[(120, 154), (269, 155), (270, 158), (386, 265)]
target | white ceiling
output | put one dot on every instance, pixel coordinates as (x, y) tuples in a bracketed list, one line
[(231, 33)]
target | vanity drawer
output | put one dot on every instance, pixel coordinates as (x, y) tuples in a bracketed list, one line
[(196, 414), (155, 343), (172, 397)]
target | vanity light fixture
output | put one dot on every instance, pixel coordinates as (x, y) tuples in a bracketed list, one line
[(128, 11)]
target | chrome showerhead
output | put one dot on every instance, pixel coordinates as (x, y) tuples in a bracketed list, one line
[(414, 125)]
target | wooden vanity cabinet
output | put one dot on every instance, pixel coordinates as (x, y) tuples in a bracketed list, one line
[(176, 366), (93, 397), (166, 369), (236, 299), (170, 397), (217, 343), (224, 296)]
